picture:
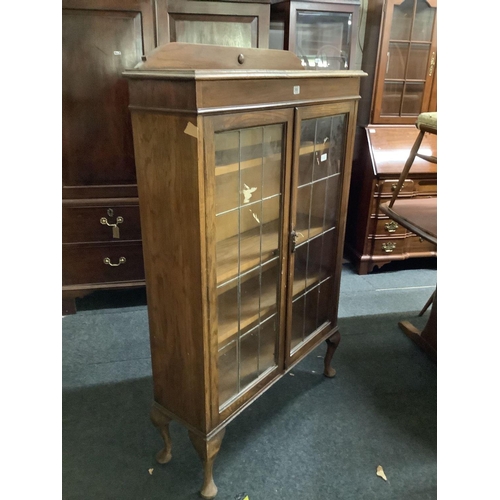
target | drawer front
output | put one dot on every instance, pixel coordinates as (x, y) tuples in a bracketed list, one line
[(421, 247), (427, 186), (112, 222), (390, 248), (387, 187), (106, 263), (387, 228)]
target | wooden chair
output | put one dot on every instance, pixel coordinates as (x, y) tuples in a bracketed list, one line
[(418, 215)]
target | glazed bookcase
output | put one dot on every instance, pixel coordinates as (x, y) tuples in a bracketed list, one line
[(243, 164)]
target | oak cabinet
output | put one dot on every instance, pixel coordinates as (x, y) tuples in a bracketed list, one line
[(323, 34), (400, 58), (243, 196)]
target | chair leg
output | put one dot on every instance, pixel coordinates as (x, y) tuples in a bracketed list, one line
[(427, 304), (406, 168)]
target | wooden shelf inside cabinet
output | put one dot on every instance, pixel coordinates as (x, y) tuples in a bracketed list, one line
[(216, 224), (250, 312), (257, 245)]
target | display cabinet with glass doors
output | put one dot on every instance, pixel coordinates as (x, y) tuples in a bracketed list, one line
[(323, 34), (243, 198)]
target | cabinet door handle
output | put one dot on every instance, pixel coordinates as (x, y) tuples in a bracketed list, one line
[(108, 262), (115, 228), (395, 185)]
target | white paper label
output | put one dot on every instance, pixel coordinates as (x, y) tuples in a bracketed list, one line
[(324, 156), (296, 89)]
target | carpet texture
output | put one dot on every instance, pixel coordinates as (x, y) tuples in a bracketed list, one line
[(308, 437)]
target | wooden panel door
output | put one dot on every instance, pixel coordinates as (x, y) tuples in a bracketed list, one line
[(406, 63), (234, 24), (321, 176), (100, 38)]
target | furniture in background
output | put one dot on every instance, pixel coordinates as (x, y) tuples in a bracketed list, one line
[(372, 237), (322, 33), (220, 22), (101, 232), (100, 212), (243, 197), (419, 215), (400, 57)]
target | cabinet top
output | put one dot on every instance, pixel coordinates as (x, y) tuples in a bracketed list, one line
[(213, 62)]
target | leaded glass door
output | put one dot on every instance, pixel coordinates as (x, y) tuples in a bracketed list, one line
[(407, 63), (250, 189), (316, 226)]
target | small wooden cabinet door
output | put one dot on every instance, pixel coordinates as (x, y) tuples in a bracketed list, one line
[(100, 38), (407, 61), (236, 24), (248, 158), (317, 222)]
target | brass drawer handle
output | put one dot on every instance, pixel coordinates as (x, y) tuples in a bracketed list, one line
[(116, 229), (388, 247), (121, 260), (391, 226), (395, 185)]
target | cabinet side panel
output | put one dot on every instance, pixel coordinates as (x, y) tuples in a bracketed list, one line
[(167, 175)]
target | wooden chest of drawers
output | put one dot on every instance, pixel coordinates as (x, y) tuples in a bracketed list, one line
[(101, 247), (372, 239)]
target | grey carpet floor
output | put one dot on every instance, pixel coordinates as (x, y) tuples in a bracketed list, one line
[(307, 437)]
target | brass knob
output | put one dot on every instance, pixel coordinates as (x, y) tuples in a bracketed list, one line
[(241, 58), (108, 262)]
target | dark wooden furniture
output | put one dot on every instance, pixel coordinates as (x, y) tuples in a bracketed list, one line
[(322, 33), (217, 22), (419, 215), (243, 196), (372, 238), (400, 57), (101, 231), (100, 211)]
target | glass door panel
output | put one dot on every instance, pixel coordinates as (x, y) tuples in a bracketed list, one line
[(317, 198), (404, 84), (323, 39), (248, 190)]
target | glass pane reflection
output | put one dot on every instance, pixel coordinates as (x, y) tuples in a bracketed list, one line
[(248, 180), (316, 224)]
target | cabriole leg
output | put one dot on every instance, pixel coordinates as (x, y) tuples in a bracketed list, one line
[(332, 343), (161, 422), (207, 451)]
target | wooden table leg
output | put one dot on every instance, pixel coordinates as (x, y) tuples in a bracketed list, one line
[(426, 339)]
